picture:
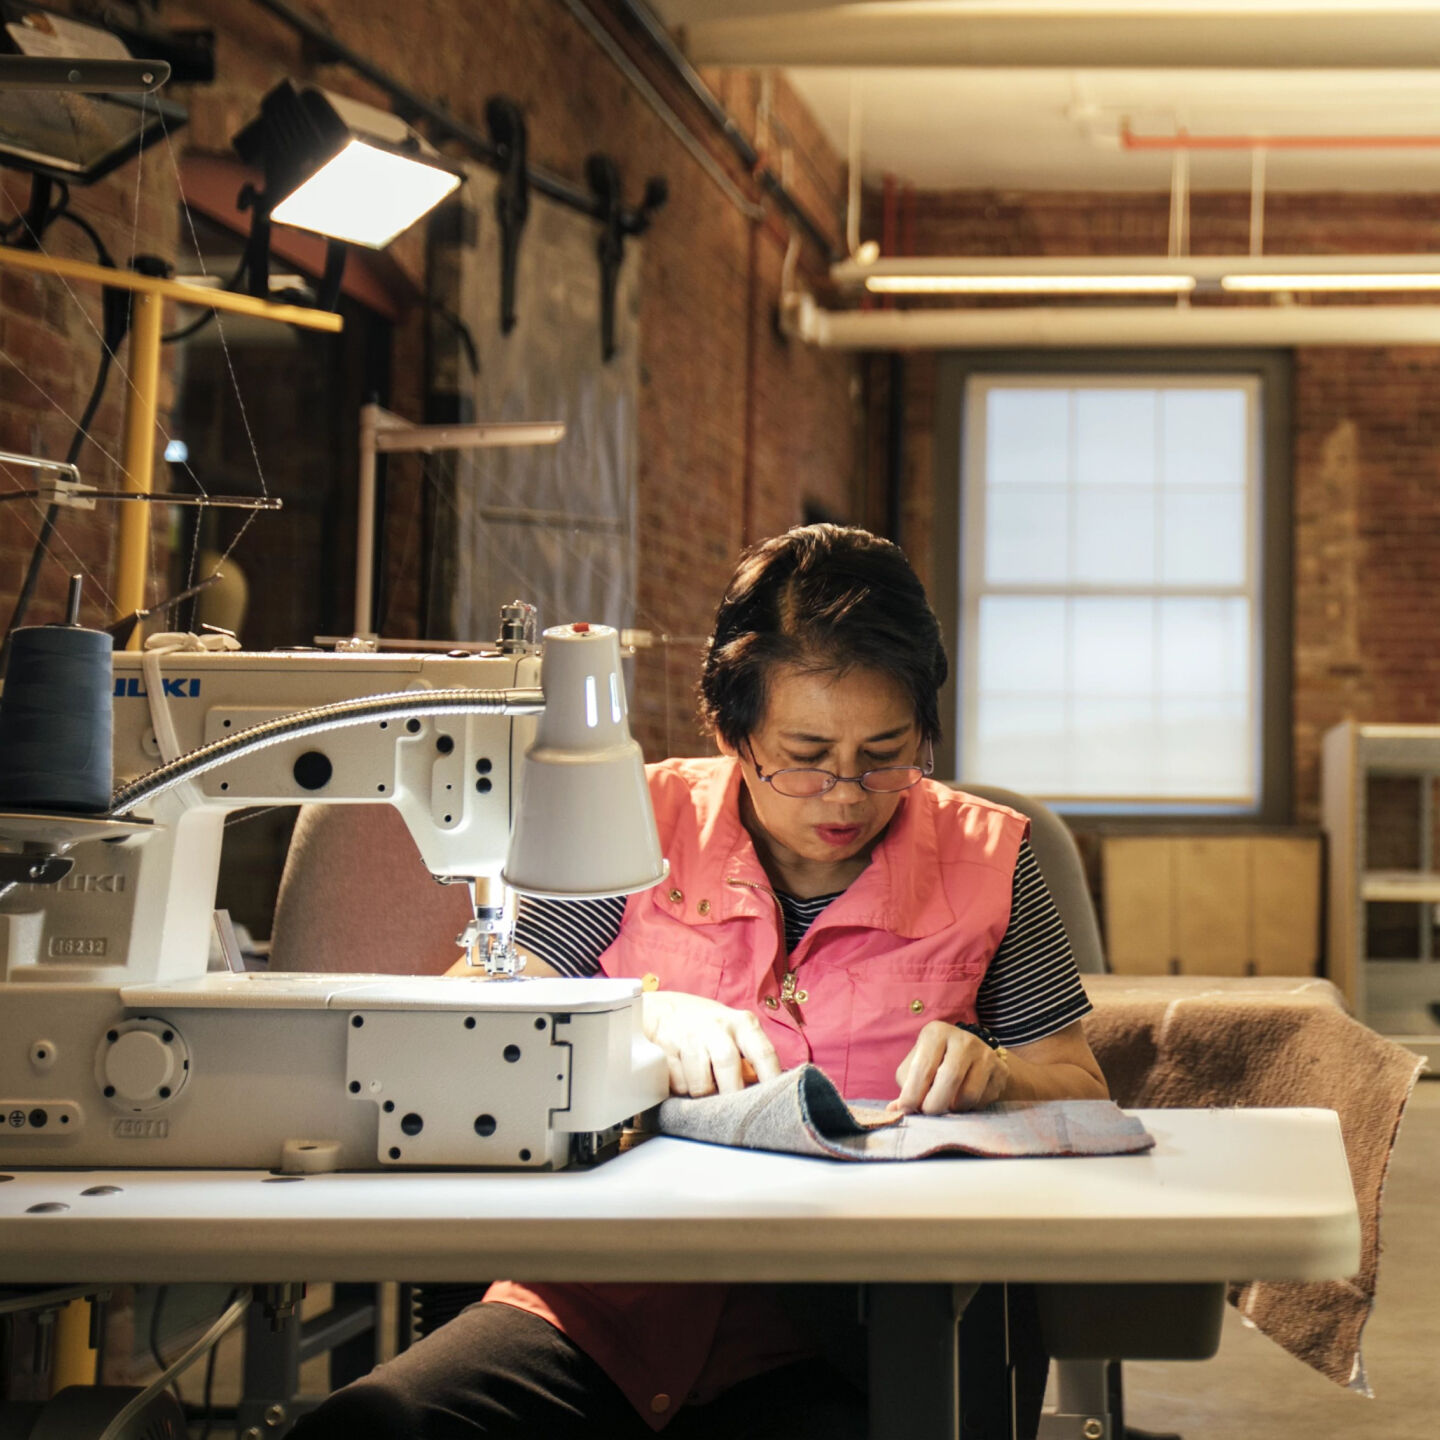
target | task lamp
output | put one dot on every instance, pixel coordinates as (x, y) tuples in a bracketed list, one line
[(338, 168), (584, 825)]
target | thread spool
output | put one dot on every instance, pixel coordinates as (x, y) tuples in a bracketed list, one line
[(56, 717)]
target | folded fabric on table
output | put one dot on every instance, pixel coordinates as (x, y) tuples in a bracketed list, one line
[(800, 1112)]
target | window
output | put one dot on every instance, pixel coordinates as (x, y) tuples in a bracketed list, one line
[(1112, 597)]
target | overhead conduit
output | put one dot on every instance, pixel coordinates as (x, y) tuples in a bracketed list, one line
[(1108, 36)]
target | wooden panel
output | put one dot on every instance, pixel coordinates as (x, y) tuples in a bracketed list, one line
[(1212, 905), (1285, 905), (1139, 928)]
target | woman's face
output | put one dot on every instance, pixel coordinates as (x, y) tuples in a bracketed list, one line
[(849, 723)]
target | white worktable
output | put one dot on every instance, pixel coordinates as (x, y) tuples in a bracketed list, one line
[(1225, 1195)]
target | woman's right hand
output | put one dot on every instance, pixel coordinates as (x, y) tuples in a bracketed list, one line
[(709, 1046)]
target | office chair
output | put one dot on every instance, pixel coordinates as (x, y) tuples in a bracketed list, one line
[(356, 896)]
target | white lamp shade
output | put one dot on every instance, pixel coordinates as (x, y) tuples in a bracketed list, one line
[(584, 825)]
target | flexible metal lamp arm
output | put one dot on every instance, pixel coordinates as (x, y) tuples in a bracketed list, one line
[(524, 700)]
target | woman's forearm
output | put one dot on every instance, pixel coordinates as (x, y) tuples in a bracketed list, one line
[(1058, 1080)]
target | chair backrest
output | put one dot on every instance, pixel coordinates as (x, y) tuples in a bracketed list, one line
[(356, 896), (1064, 871)]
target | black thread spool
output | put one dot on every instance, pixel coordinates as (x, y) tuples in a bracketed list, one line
[(56, 717)]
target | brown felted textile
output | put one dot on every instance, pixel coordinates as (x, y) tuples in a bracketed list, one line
[(1187, 1042)]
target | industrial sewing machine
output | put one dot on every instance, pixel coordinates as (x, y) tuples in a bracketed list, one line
[(119, 1047)]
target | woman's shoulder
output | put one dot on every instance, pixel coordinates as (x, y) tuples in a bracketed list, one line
[(687, 772), (690, 789), (970, 826), (961, 807)]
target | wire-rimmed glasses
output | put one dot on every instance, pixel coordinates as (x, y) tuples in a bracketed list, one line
[(807, 784)]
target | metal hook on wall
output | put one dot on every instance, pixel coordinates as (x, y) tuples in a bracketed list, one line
[(506, 124), (603, 176)]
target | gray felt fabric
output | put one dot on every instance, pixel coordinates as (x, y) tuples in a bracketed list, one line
[(801, 1113)]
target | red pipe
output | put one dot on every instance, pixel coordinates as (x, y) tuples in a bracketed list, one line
[(1183, 140)]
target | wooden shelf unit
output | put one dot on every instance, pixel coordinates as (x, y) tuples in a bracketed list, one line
[(1394, 996)]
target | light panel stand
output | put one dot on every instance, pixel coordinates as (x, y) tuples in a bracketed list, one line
[(384, 433)]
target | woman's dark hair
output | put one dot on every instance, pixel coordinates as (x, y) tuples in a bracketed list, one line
[(826, 598)]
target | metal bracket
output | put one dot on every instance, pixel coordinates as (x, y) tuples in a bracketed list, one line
[(71, 494), (512, 197), (1088, 1403), (603, 176), (58, 483), (34, 869)]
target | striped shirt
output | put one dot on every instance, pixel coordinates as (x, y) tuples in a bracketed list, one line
[(1031, 989)]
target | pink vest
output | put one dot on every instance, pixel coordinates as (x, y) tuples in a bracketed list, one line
[(908, 942)]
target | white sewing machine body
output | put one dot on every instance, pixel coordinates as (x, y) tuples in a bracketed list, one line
[(117, 1048)]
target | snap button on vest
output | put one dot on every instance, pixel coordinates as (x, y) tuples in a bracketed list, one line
[(660, 1403)]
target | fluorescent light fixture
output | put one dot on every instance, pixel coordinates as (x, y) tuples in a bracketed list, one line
[(1135, 274), (365, 195), (341, 168), (1265, 283), (1030, 284)]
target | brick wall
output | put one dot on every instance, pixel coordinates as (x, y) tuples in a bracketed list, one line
[(1366, 438), (737, 430), (49, 351)]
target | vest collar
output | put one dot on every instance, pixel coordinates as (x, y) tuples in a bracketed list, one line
[(899, 891)]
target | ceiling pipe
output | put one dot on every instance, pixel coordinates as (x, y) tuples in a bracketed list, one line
[(1048, 327), (1369, 36)]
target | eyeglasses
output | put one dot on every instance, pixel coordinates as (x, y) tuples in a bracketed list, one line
[(807, 784)]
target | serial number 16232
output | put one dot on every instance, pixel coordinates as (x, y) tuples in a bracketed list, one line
[(69, 946)]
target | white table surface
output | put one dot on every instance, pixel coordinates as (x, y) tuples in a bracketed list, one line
[(1225, 1195)]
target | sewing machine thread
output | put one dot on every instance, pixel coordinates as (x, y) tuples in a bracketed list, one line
[(55, 720)]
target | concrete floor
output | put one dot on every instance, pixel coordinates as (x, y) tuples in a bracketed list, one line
[(1253, 1389)]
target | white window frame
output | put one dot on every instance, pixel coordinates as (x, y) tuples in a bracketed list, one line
[(974, 585)]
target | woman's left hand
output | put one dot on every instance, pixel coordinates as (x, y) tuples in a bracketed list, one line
[(949, 1069)]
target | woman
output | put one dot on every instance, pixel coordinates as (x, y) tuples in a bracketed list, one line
[(826, 903)]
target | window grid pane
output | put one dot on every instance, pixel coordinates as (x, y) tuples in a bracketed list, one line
[(1110, 588)]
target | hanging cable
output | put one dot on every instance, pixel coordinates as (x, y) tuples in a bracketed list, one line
[(115, 321), (197, 325)]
